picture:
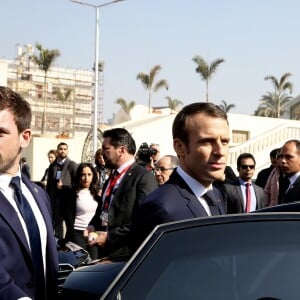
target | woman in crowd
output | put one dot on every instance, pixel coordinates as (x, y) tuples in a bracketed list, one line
[(51, 158), (85, 200)]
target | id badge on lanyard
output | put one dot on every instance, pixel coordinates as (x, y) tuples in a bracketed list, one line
[(104, 218)]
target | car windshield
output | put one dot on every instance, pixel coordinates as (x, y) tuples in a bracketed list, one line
[(250, 260)]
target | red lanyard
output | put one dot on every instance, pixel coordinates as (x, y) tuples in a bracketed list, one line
[(113, 181)]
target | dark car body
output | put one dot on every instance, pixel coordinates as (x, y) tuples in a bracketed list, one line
[(234, 257)]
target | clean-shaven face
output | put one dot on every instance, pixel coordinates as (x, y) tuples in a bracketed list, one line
[(205, 156)]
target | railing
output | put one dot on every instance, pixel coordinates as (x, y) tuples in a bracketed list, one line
[(260, 146)]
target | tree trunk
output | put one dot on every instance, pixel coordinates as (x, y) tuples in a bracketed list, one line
[(44, 106), (207, 90)]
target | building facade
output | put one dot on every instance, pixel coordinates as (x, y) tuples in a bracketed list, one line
[(67, 94)]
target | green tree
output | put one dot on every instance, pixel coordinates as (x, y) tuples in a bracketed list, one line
[(272, 102), (126, 106), (63, 97), (271, 105), (173, 104), (205, 70), (148, 83), (44, 60), (225, 106)]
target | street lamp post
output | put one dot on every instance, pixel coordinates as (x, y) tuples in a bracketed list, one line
[(96, 83)]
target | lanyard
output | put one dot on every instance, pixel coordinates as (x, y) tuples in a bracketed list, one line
[(112, 182)]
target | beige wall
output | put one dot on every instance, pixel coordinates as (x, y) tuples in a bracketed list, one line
[(158, 129), (36, 153)]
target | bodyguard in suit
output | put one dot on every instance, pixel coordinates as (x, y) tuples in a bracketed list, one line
[(289, 157), (61, 176), (122, 194), (28, 256), (243, 195), (201, 141)]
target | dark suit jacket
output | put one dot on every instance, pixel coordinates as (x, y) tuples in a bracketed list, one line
[(135, 185), (233, 197), (67, 177), (61, 199), (262, 176), (172, 201), (293, 194), (16, 266)]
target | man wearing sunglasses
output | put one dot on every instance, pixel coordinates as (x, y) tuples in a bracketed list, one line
[(243, 195)]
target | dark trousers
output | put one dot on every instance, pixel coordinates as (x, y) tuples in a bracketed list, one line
[(78, 238)]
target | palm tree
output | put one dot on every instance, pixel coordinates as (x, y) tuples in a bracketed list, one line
[(226, 107), (272, 103), (63, 97), (148, 82), (44, 60), (173, 103), (206, 71), (125, 105)]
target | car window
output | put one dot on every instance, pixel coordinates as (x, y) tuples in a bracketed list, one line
[(250, 260)]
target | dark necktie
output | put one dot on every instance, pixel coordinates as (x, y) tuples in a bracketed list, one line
[(213, 206), (248, 198), (34, 237)]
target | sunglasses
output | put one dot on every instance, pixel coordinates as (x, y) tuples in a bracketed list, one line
[(245, 167)]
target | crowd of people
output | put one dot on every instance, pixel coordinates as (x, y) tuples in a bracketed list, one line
[(110, 206)]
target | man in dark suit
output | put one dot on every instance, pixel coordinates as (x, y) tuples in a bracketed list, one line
[(263, 175), (289, 157), (243, 195), (28, 264), (201, 140), (61, 176), (122, 194)]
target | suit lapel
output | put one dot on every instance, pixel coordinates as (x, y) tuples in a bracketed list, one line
[(294, 184), (40, 203), (238, 189), (195, 206), (124, 181), (65, 169), (10, 215), (193, 203)]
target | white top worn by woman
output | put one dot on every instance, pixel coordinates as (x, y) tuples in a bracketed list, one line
[(86, 206)]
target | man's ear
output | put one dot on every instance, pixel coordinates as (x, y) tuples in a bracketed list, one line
[(179, 147), (25, 138)]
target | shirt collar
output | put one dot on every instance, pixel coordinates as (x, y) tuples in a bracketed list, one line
[(293, 178), (198, 189), (243, 182), (125, 165), (60, 161), (6, 178)]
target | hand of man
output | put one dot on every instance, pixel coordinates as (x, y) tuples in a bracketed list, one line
[(100, 240), (88, 230)]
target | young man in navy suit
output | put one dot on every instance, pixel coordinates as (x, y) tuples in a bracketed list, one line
[(28, 262), (201, 141)]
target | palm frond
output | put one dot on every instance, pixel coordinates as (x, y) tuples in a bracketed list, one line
[(161, 84)]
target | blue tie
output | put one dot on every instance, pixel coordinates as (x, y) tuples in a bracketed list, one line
[(34, 237)]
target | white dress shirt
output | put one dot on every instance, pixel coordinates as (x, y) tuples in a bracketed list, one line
[(198, 189)]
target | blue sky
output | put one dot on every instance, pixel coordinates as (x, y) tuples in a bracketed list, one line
[(256, 38)]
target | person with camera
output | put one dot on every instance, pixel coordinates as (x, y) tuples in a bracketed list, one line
[(148, 156)]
